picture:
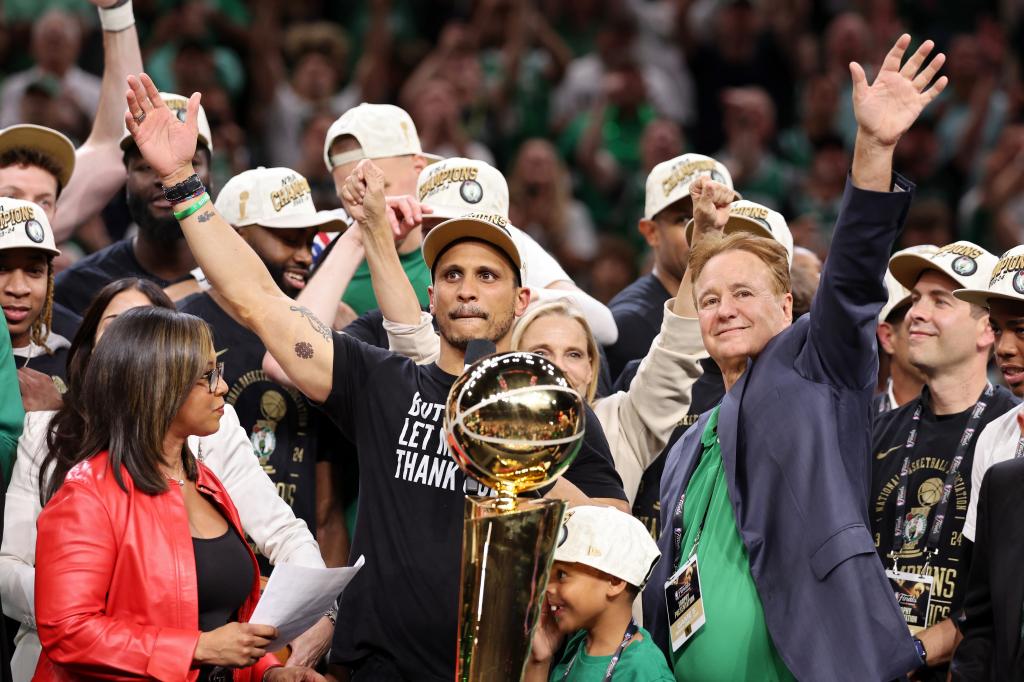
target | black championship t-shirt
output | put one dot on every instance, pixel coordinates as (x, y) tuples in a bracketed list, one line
[(403, 604), (639, 310), (930, 458), (76, 286), (287, 434), (708, 391)]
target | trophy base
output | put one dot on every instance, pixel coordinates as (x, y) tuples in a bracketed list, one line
[(506, 558)]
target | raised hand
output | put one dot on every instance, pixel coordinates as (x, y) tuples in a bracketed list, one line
[(711, 202), (889, 106), (546, 637), (363, 196), (166, 143)]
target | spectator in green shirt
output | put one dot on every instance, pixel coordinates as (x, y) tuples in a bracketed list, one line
[(12, 415)]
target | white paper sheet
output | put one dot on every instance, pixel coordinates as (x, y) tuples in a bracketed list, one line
[(296, 597)]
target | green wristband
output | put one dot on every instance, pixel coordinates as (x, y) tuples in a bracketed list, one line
[(181, 215)]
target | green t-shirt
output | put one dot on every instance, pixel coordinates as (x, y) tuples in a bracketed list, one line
[(359, 294), (734, 643), (12, 416), (641, 661)]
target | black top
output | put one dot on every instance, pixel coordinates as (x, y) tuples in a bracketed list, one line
[(224, 577), (409, 524), (639, 310), (708, 391), (287, 435), (76, 286), (65, 321), (937, 440), (53, 364), (992, 648)]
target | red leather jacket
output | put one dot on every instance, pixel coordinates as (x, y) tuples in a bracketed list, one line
[(116, 594)]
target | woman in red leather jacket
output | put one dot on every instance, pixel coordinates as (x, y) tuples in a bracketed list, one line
[(141, 566)]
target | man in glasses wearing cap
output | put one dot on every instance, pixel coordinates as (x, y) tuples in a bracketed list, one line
[(399, 622), (924, 449), (158, 251)]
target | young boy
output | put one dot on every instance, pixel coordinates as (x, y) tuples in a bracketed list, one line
[(602, 561)]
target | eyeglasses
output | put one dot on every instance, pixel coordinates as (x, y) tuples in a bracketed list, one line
[(213, 377)]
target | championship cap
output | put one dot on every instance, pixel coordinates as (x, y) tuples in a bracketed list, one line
[(670, 180), (44, 140), (272, 197), (899, 294), (967, 263), (23, 225), (179, 106), (454, 187), (382, 130), (1006, 282), (748, 216), (488, 227), (610, 541)]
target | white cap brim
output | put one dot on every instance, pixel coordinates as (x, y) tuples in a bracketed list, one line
[(906, 268), (325, 219), (983, 296)]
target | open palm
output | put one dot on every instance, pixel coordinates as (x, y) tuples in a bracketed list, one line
[(166, 143), (890, 105)]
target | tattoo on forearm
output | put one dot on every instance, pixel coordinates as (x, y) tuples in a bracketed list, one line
[(314, 321), (205, 217), (304, 350)]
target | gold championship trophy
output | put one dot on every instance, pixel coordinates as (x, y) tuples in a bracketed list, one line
[(514, 424)]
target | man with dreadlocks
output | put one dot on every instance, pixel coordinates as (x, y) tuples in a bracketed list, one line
[(26, 288)]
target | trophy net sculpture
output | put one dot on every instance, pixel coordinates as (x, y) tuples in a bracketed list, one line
[(514, 424)]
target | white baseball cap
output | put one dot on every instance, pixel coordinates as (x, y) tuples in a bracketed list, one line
[(272, 197), (749, 216), (967, 263), (382, 130), (610, 541), (1006, 281), (178, 105), (488, 227), (669, 181), (44, 140), (23, 225), (899, 294), (457, 186)]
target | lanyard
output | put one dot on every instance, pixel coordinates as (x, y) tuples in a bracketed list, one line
[(677, 524), (932, 546), (630, 631)]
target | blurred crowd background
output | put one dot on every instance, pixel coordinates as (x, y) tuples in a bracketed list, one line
[(574, 100)]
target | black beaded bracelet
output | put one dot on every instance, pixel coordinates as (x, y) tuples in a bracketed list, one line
[(183, 191)]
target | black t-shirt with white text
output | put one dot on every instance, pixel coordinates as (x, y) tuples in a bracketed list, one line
[(287, 434), (403, 604), (930, 459)]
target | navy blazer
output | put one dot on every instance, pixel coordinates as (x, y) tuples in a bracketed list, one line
[(795, 435)]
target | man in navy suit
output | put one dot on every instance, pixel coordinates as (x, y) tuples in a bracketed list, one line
[(766, 494)]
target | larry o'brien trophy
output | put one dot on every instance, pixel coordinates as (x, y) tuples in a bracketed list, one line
[(514, 424)]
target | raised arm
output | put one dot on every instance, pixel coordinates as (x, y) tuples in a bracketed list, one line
[(99, 169), (294, 335), (843, 315)]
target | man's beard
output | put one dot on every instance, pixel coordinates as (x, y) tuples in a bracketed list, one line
[(160, 230), (497, 329), (277, 274)]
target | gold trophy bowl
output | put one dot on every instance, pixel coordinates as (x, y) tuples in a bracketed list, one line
[(514, 424)]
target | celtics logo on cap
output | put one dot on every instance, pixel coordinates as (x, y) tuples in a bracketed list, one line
[(34, 231), (965, 266), (471, 191), (1018, 282)]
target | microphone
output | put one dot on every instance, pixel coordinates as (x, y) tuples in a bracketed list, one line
[(479, 348)]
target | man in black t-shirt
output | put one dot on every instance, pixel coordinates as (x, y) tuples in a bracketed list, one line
[(638, 309), (924, 450), (398, 617), (158, 252)]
